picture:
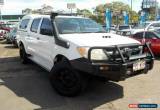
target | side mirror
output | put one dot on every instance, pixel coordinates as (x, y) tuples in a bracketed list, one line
[(154, 39), (48, 32)]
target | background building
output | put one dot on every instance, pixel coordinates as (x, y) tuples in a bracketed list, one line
[(151, 7), (10, 18)]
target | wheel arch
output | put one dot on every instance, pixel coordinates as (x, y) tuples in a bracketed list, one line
[(20, 43), (59, 58)]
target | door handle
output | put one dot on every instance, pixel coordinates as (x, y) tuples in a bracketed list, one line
[(38, 38)]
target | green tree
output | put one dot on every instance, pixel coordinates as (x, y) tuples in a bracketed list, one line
[(44, 9), (84, 12), (27, 11), (152, 13), (117, 10)]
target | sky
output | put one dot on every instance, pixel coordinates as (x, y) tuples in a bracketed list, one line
[(16, 6)]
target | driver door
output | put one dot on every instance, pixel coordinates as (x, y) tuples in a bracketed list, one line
[(46, 43)]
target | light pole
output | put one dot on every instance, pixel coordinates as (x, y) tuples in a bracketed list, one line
[(1, 14), (156, 9), (131, 5), (1, 5), (131, 12)]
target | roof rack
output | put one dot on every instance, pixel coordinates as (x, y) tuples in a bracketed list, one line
[(54, 14)]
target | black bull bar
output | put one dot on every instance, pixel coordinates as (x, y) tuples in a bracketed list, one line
[(122, 57)]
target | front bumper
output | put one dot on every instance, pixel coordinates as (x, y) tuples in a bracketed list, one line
[(115, 71)]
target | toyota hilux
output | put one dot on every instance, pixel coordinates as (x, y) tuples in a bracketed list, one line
[(71, 46)]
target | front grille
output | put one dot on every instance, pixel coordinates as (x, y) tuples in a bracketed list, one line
[(127, 52)]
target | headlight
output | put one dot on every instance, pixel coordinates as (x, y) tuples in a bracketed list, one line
[(98, 54), (83, 51)]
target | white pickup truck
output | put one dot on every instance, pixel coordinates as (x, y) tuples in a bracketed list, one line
[(69, 47)]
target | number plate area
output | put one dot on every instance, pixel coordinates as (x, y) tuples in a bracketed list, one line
[(139, 65)]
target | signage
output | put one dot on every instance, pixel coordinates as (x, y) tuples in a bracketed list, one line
[(108, 16), (71, 5)]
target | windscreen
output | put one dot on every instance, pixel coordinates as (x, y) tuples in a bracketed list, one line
[(77, 25)]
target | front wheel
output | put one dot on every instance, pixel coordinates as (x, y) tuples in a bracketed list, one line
[(66, 81)]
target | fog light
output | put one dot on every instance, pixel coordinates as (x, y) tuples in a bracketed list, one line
[(129, 72), (104, 68)]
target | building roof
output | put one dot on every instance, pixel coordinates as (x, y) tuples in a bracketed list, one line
[(11, 17)]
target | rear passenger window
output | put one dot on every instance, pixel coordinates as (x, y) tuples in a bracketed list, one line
[(46, 27), (35, 25), (24, 24)]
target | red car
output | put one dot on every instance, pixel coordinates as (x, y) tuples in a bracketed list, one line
[(4, 28), (149, 36)]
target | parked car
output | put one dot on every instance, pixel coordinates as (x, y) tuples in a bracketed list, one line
[(112, 28), (123, 27), (149, 36), (148, 26), (152, 25), (71, 47), (124, 33), (4, 29), (13, 36), (2, 32), (7, 37), (157, 30), (6, 26)]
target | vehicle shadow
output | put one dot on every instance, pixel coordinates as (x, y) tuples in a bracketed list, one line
[(3, 41), (11, 46), (31, 82), (157, 58)]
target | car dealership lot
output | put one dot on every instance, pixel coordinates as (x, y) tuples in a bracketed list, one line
[(26, 87)]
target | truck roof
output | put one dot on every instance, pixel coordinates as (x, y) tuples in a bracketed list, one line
[(32, 16)]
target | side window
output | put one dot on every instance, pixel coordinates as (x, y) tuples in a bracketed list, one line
[(156, 25), (46, 27), (24, 24), (138, 35), (35, 25), (150, 35)]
